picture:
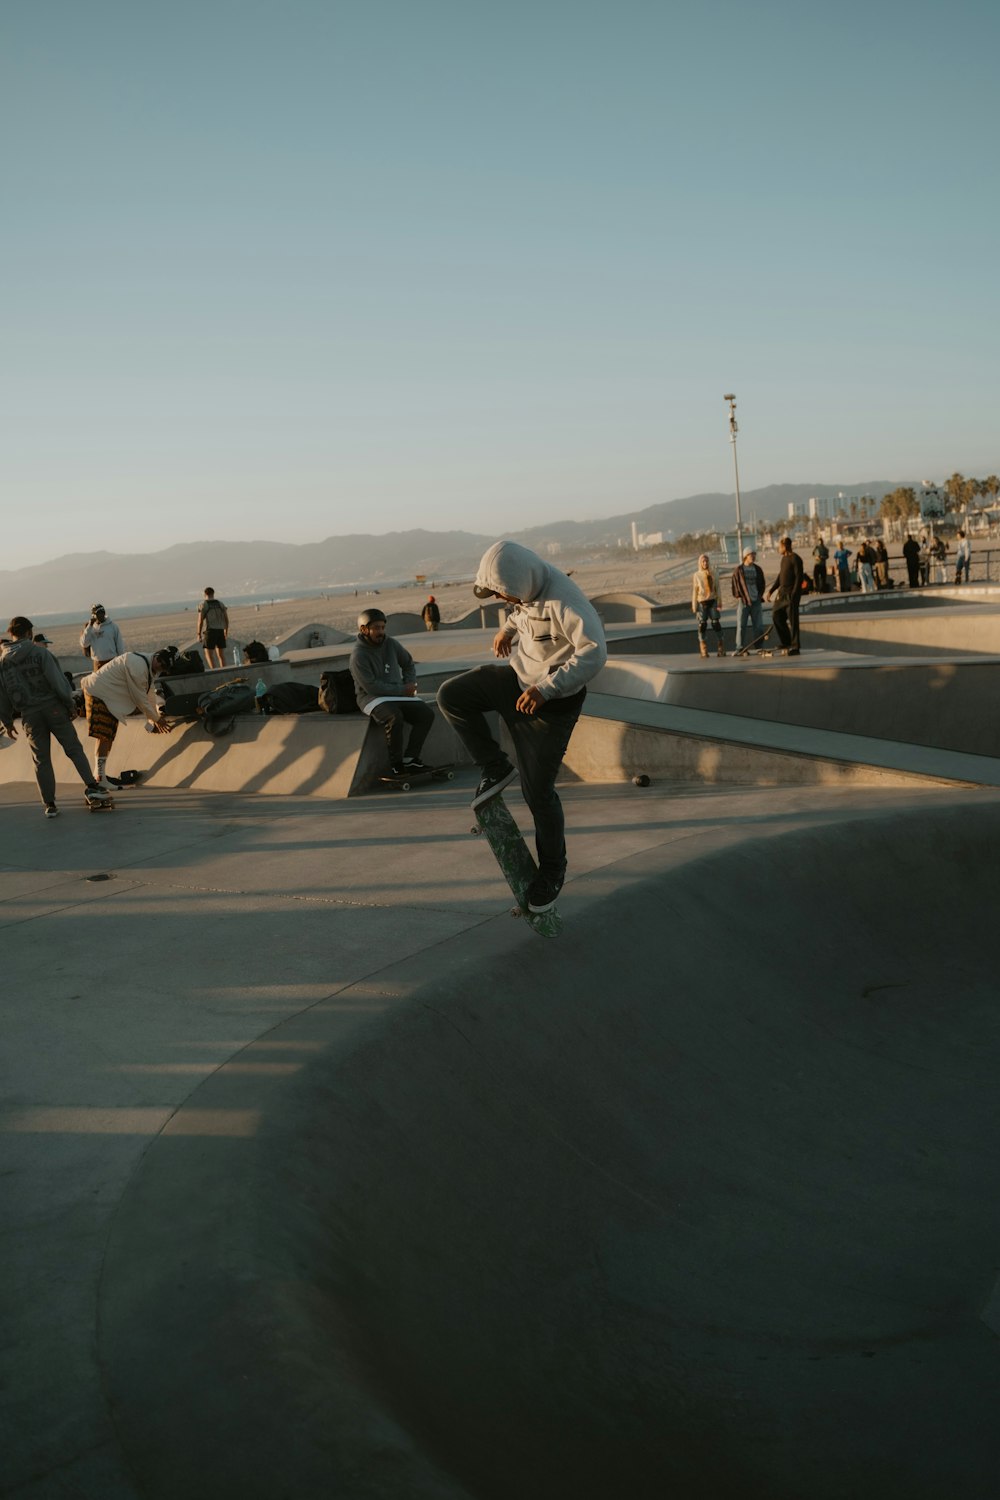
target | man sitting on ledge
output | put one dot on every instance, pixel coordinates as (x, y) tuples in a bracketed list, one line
[(385, 680)]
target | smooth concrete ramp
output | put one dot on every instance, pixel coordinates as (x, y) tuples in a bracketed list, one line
[(703, 1200)]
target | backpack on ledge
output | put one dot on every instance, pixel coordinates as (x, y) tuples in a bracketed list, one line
[(289, 698), (220, 707), (336, 693)]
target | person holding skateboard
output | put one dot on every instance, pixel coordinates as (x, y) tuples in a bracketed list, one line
[(553, 644), (385, 681), (32, 685)]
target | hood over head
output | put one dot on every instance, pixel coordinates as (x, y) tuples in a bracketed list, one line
[(508, 568)]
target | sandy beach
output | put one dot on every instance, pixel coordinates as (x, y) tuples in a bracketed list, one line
[(274, 622)]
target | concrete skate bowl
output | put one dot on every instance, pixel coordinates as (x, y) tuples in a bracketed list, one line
[(702, 1200)]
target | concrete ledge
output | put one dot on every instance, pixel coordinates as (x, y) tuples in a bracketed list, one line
[(933, 701), (684, 744)]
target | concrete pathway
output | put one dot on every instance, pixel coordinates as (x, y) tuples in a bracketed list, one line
[(228, 1191)]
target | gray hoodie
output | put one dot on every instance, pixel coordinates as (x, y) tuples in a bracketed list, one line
[(558, 640), (380, 671), (29, 678)]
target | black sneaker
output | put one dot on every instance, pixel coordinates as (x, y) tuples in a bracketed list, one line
[(414, 763), (490, 785), (51, 811), (543, 892)]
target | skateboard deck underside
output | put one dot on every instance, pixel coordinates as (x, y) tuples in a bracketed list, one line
[(496, 822)]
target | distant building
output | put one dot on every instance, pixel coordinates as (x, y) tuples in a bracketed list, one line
[(832, 508)]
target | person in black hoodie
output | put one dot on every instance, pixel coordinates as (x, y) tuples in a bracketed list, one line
[(385, 680), (785, 593)]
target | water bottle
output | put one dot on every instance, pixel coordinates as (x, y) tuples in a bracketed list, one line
[(236, 656), (261, 688)]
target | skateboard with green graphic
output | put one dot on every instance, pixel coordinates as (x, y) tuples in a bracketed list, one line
[(495, 820)]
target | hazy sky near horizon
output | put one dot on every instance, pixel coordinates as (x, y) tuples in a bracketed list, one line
[(294, 268)]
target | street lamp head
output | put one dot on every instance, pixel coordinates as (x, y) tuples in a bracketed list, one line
[(729, 398)]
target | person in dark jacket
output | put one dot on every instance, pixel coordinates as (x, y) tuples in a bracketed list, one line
[(32, 686), (785, 593), (385, 680), (911, 555), (430, 614), (747, 585)]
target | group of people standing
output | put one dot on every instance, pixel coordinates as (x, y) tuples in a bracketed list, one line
[(750, 590)]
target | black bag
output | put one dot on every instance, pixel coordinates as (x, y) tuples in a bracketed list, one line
[(220, 707), (337, 694), (183, 663), (289, 698)]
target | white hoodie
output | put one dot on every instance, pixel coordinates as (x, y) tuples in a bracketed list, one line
[(558, 640)]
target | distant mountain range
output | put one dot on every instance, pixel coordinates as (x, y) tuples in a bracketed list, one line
[(237, 568)]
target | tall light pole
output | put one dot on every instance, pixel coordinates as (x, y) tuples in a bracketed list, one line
[(736, 469)]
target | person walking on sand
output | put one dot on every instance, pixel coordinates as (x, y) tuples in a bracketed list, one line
[(32, 685), (552, 644), (705, 605), (430, 614), (101, 639), (213, 625)]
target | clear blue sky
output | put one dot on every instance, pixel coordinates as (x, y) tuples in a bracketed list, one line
[(293, 268)]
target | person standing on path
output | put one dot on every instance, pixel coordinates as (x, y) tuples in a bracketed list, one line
[(213, 626), (552, 645), (32, 685), (911, 556), (747, 585), (786, 591), (963, 557), (101, 639), (705, 605), (842, 558), (820, 554)]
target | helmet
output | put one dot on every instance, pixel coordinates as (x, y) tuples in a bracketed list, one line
[(370, 617)]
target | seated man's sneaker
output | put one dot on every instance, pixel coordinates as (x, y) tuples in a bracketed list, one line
[(543, 892), (490, 785)]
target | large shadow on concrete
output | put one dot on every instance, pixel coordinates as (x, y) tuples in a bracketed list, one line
[(701, 1200)]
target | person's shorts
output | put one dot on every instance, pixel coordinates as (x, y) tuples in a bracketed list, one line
[(214, 640), (101, 722)]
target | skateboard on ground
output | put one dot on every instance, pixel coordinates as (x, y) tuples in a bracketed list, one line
[(407, 779), (757, 645), (495, 819), (106, 804)]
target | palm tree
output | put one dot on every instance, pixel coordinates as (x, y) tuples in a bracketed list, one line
[(954, 488)]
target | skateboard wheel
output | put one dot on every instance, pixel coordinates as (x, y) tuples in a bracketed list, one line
[(640, 780)]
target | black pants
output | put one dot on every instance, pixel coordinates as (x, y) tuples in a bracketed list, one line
[(786, 622), (540, 742), (391, 716)]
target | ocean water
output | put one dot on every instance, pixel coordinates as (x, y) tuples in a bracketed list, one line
[(166, 607)]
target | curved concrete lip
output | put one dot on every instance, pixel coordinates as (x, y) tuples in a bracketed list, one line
[(720, 1221)]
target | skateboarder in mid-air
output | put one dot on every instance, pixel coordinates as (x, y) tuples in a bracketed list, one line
[(385, 681), (554, 643)]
